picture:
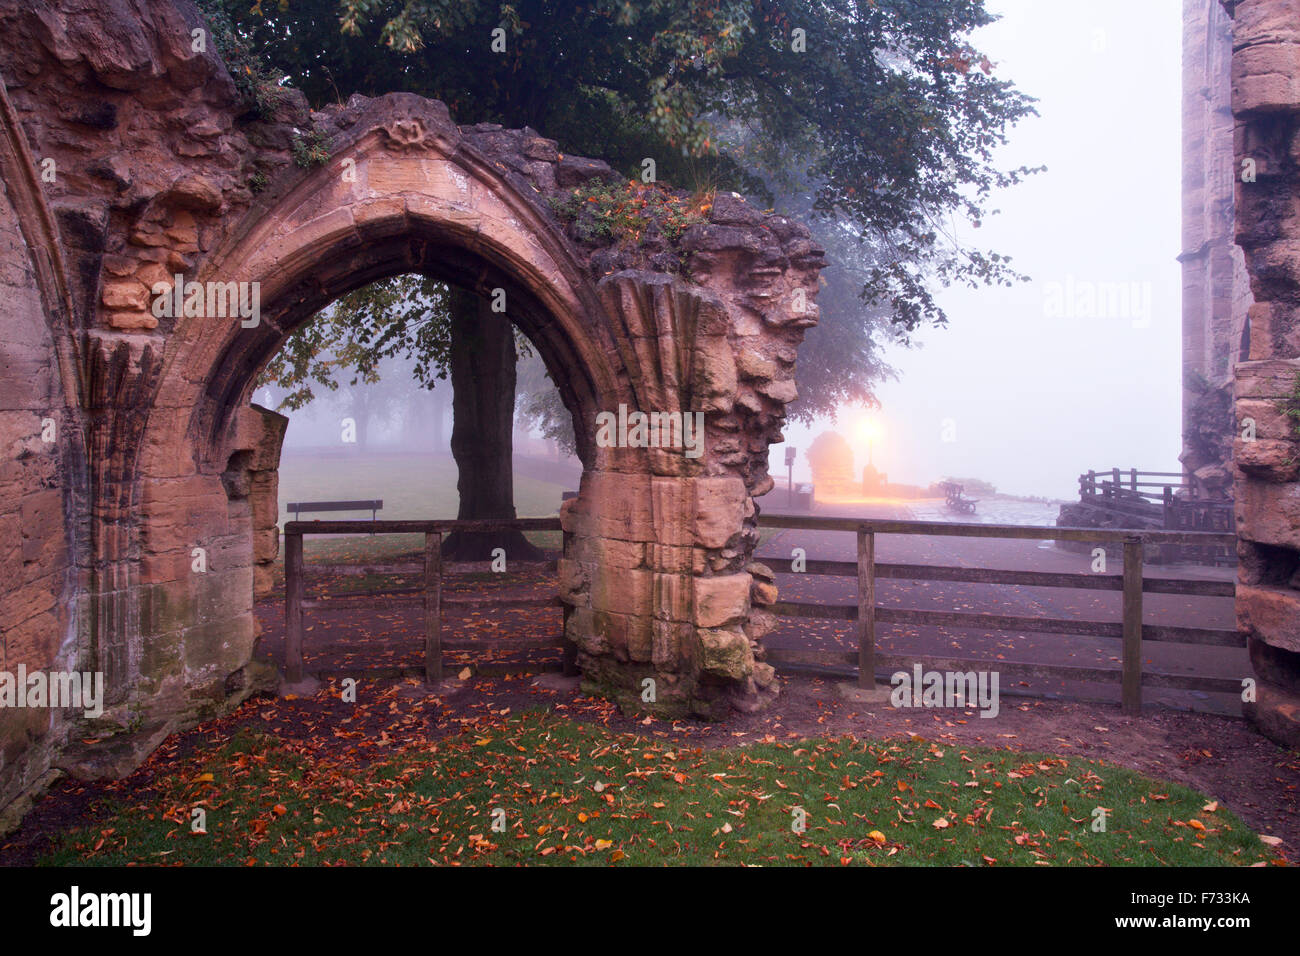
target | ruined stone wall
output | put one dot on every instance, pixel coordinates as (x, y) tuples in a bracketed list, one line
[(38, 480), (1266, 110), (682, 603), (158, 170), (1216, 290)]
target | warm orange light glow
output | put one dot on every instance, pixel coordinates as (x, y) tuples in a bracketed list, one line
[(870, 429)]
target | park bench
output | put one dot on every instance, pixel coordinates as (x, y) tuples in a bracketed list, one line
[(297, 507), (955, 501)]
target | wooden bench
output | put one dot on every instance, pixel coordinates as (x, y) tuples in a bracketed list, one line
[(955, 501), (297, 507)]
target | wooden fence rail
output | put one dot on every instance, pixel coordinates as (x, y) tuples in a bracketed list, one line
[(1129, 482), (1170, 502), (865, 613), (428, 596), (1130, 629)]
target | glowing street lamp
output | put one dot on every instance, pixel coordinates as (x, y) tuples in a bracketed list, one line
[(870, 430)]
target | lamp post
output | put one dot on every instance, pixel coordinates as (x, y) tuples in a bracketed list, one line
[(789, 481)]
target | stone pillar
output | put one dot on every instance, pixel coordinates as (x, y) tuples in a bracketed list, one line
[(1216, 290), (646, 603), (1266, 108), (261, 434), (658, 572)]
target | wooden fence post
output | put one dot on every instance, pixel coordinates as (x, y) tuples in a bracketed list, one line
[(432, 607), (293, 593), (1133, 478), (866, 609), (1131, 693)]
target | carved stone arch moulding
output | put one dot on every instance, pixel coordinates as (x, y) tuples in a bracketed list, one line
[(182, 185)]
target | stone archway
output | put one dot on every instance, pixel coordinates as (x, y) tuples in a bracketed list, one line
[(657, 576), (162, 174)]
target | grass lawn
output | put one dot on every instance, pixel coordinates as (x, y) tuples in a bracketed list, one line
[(573, 793), (411, 486)]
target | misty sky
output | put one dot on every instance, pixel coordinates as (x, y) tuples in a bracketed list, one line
[(1037, 393)]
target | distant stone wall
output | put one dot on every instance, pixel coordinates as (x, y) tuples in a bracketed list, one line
[(1266, 110), (1216, 288)]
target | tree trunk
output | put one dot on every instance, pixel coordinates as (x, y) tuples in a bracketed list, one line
[(483, 413), (439, 411)]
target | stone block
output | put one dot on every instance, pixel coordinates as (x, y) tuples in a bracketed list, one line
[(721, 599), (1269, 513), (1276, 712), (623, 591), (719, 510), (33, 643), (1270, 614), (573, 583), (669, 638), (672, 597), (724, 654), (1266, 78), (1268, 459), (1271, 422)]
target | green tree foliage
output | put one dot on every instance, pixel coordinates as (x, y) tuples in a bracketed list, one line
[(876, 120), (403, 317)]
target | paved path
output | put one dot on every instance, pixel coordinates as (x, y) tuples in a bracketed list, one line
[(1215, 612)]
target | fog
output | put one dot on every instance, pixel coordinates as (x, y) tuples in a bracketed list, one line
[(1077, 368), (1033, 397)]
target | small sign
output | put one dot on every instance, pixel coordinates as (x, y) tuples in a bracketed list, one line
[(789, 456)]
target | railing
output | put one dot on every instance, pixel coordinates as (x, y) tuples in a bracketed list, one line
[(1129, 629), (1129, 494), (1118, 485), (428, 596)]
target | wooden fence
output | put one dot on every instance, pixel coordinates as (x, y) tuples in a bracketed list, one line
[(1130, 629), (1130, 495), (1119, 484), (427, 596)]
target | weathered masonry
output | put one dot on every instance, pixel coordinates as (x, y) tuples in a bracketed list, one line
[(1216, 284), (128, 435), (127, 439), (1265, 79)]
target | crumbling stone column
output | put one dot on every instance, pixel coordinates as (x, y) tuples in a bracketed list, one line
[(659, 571), (259, 437), (1216, 285), (1266, 108)]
